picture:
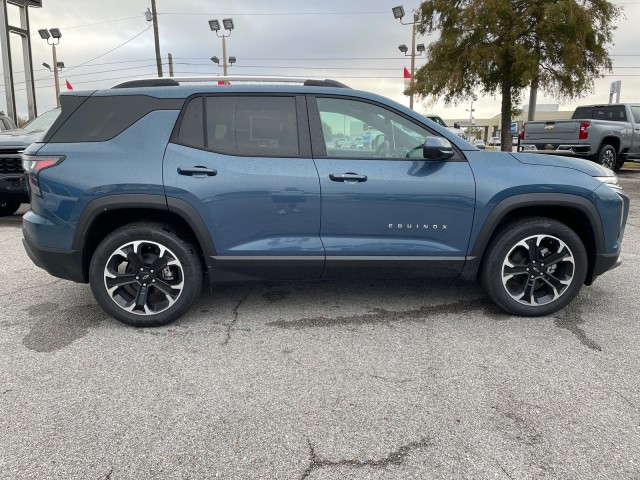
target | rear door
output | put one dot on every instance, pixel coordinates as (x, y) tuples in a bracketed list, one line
[(244, 163), (383, 205), (635, 144)]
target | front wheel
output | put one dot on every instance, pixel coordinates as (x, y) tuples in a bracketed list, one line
[(607, 157), (8, 207), (534, 267), (145, 274)]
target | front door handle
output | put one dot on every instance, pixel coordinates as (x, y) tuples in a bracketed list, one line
[(348, 177), (197, 171)]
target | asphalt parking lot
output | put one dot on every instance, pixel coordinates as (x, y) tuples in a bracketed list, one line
[(321, 380)]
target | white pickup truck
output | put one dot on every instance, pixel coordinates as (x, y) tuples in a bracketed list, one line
[(606, 134)]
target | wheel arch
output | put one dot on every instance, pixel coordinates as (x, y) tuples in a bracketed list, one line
[(613, 141), (105, 214), (576, 212)]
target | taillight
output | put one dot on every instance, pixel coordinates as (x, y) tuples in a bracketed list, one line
[(522, 132), (34, 165), (584, 133)]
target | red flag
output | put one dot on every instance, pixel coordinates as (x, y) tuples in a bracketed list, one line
[(407, 79), (69, 87)]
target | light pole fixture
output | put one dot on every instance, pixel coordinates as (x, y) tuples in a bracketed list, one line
[(227, 25), (398, 13), (48, 67), (53, 36)]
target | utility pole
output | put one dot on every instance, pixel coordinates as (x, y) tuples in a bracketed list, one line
[(170, 65), (154, 18)]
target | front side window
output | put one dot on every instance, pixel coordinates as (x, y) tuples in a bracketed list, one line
[(239, 125), (353, 128)]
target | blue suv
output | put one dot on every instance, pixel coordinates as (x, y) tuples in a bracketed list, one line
[(145, 189)]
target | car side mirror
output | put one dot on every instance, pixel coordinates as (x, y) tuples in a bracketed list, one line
[(456, 124), (437, 148)]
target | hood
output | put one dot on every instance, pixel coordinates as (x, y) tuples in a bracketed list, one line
[(20, 137), (580, 164)]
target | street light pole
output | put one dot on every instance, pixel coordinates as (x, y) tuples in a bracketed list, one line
[(52, 36), (227, 24), (224, 55), (398, 12), (413, 58), (55, 75)]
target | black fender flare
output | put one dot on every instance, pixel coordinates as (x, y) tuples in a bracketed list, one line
[(530, 200), (179, 207)]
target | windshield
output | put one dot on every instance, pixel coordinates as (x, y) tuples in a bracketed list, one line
[(44, 121)]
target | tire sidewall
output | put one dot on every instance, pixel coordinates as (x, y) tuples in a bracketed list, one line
[(602, 153), (8, 207), (491, 274), (181, 248)]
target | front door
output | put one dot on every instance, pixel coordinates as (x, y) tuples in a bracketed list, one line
[(245, 165), (383, 204)]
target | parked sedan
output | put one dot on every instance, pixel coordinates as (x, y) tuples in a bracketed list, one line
[(479, 143)]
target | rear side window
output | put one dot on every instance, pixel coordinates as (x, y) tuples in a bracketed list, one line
[(101, 118), (614, 113), (243, 125)]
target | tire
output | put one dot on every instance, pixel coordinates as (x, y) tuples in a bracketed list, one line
[(607, 156), (145, 274), (534, 267), (619, 165), (8, 207)]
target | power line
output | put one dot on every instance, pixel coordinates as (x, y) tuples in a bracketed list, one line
[(113, 49), (282, 14)]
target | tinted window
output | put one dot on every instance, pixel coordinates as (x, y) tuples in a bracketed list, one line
[(614, 113), (359, 129), (102, 118), (191, 129), (251, 126), (221, 119)]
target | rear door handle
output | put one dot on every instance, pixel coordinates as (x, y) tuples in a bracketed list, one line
[(348, 177), (197, 171)]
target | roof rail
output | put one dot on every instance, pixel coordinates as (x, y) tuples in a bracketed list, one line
[(175, 81)]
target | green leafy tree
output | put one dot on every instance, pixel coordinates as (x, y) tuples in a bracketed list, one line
[(503, 46)]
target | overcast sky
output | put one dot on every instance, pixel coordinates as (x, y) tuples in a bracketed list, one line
[(354, 41)]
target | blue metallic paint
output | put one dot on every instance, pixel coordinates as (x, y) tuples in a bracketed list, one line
[(386, 214), (71, 185), (254, 205)]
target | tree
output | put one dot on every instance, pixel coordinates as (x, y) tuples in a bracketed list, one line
[(503, 46)]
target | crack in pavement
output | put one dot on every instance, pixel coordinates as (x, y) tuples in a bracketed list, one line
[(501, 467), (570, 318), (234, 321), (108, 475), (396, 457), (380, 316)]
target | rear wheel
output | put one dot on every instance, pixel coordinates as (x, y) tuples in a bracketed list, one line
[(534, 267), (145, 274), (607, 156), (8, 207), (619, 164)]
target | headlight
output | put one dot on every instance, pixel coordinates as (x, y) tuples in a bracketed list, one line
[(611, 181)]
